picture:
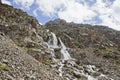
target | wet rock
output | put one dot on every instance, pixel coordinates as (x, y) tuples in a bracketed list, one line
[(5, 61), (68, 76), (102, 78), (54, 66), (77, 74), (96, 74), (58, 54), (83, 78)]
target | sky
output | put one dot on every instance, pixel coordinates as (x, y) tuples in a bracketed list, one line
[(95, 12)]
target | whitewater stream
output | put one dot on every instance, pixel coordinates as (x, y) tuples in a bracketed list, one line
[(64, 52), (65, 56)]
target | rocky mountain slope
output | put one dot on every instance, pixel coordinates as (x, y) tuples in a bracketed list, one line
[(69, 51), (23, 52), (16, 64), (96, 45)]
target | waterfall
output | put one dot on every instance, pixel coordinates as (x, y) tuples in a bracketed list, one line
[(53, 45), (64, 52), (61, 65), (53, 41)]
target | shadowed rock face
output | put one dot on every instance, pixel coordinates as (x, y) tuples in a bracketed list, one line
[(98, 45)]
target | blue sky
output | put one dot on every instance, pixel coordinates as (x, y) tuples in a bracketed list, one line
[(95, 12)]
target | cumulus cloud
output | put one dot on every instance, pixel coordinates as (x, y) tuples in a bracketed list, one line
[(50, 7), (78, 13), (24, 3), (103, 12), (108, 13), (70, 10), (6, 2)]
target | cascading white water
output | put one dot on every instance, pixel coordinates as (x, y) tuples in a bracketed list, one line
[(60, 67), (53, 44), (53, 41), (64, 52)]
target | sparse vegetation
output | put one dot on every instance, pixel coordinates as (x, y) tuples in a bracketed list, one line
[(4, 67), (32, 48), (47, 62)]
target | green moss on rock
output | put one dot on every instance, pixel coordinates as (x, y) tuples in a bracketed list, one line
[(4, 67), (47, 62)]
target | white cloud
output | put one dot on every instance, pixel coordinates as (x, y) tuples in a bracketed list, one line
[(50, 7), (6, 2), (25, 3), (116, 10), (70, 10), (78, 11), (108, 13)]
